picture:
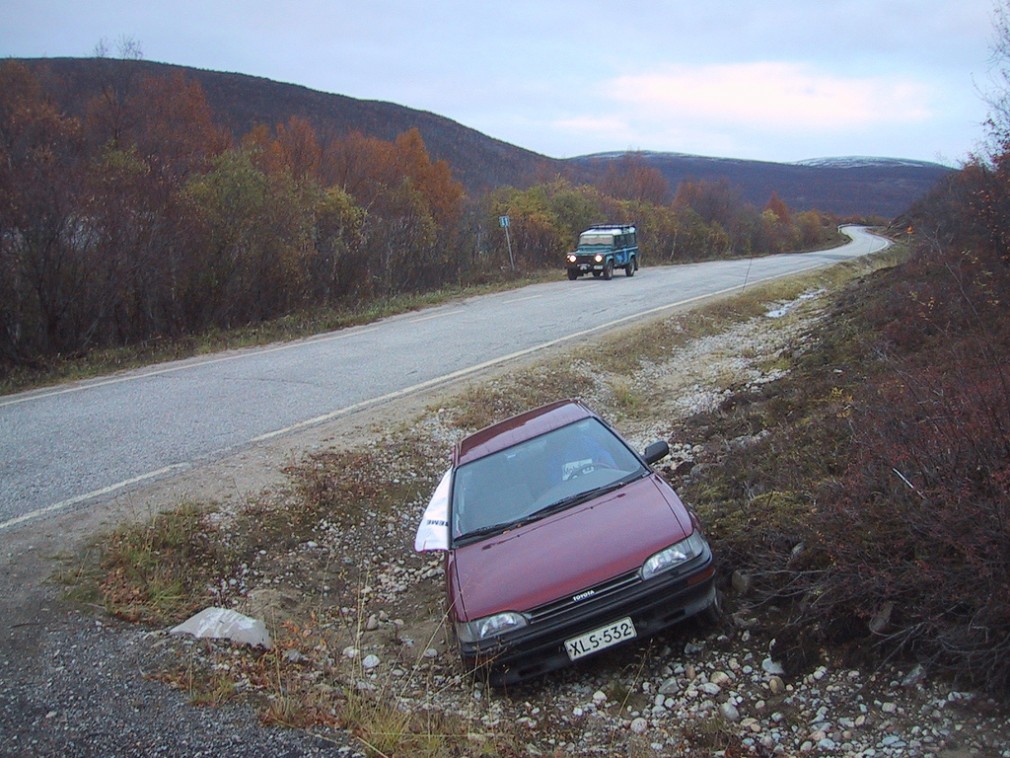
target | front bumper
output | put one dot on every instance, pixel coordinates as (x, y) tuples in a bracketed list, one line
[(585, 267), (652, 605)]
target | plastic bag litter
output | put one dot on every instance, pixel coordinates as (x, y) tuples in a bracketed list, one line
[(224, 623)]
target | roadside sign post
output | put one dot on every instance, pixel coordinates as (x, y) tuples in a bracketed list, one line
[(503, 221)]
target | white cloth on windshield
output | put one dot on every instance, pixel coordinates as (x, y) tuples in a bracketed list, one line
[(433, 531)]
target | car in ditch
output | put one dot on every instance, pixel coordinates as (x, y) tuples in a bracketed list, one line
[(561, 541)]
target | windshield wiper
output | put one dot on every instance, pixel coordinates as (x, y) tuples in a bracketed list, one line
[(579, 497), (483, 531)]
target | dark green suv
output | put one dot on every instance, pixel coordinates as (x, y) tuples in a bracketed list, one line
[(602, 249)]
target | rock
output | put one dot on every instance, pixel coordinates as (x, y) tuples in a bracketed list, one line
[(742, 582), (916, 676), (639, 725), (776, 685), (882, 618), (771, 667), (669, 687), (370, 662), (721, 678), (683, 468), (729, 712), (372, 624), (224, 623)]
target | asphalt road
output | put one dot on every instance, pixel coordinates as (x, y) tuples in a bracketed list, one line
[(65, 446)]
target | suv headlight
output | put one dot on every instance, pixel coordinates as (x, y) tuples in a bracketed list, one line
[(571, 257), (598, 258), (674, 555), (489, 626)]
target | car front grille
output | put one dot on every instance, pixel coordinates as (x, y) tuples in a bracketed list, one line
[(586, 599)]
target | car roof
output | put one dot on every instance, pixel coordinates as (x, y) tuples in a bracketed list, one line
[(519, 428)]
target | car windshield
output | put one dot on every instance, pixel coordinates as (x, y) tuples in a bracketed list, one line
[(534, 478), (593, 240)]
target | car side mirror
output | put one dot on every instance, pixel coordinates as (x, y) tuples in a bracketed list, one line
[(656, 452)]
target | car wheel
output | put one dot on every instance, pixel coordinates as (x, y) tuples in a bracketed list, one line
[(573, 274), (608, 269), (630, 269)]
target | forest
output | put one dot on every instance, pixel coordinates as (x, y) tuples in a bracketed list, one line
[(142, 219)]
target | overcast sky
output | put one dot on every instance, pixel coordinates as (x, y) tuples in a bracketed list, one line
[(778, 80)]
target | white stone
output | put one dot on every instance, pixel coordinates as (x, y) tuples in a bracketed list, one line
[(721, 678), (639, 725), (771, 667), (729, 712)]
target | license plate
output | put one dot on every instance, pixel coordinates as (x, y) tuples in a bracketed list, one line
[(598, 639)]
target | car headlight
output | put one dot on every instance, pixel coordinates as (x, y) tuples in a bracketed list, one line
[(489, 626), (598, 258), (571, 257), (674, 555)]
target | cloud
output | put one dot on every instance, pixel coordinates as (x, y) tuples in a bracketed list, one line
[(771, 95)]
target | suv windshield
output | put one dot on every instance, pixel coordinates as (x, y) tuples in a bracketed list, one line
[(529, 480), (589, 240)]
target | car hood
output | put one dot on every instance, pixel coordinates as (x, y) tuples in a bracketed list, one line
[(566, 552)]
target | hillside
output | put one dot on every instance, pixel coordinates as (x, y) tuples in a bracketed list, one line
[(844, 187), (241, 102)]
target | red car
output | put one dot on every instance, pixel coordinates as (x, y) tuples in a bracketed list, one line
[(560, 541)]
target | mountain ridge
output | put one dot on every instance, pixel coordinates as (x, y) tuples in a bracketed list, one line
[(872, 187)]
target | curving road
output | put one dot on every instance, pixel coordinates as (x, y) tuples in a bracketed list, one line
[(67, 445)]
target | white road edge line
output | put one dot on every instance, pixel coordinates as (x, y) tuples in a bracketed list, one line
[(87, 496), (488, 364), (521, 299), (432, 316)]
